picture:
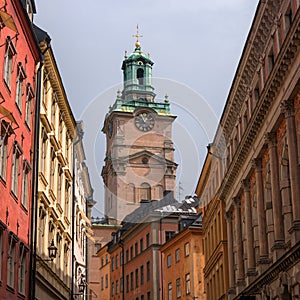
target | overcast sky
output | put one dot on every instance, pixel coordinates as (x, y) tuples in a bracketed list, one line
[(195, 45)]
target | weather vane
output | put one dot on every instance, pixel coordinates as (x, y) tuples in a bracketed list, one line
[(137, 36)]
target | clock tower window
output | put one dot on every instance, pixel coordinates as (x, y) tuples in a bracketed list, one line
[(140, 76), (145, 191)]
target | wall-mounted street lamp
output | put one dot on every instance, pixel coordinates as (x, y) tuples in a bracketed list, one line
[(52, 252), (81, 287)]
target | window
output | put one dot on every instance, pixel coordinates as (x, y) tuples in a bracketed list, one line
[(136, 249), (106, 280), (187, 284), (11, 262), (121, 258), (28, 106), (8, 61), (271, 61), (127, 256), (44, 141), (112, 264), (16, 170), (52, 168), (45, 88), (256, 93), (106, 258), (178, 288), (121, 284), (148, 295), (169, 235), (67, 199), (169, 260), (3, 149), (148, 270), (53, 110), (136, 278), (140, 75), (102, 283), (127, 283), (186, 249), (59, 183), (22, 271), (131, 252), (25, 184), (20, 86), (142, 274), (117, 261), (117, 286), (145, 191), (131, 280), (288, 19), (169, 291), (147, 240), (141, 245), (60, 129), (177, 255), (112, 288)]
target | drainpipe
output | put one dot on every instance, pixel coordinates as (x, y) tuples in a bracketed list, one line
[(35, 171)]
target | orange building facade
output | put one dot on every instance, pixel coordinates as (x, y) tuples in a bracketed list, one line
[(183, 261)]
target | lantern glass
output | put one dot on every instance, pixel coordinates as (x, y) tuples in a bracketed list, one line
[(52, 250)]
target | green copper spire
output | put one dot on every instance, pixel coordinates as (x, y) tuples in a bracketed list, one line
[(137, 75)]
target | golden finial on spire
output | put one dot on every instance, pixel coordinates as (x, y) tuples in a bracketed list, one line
[(137, 36)]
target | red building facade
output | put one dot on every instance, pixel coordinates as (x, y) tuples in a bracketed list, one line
[(19, 56)]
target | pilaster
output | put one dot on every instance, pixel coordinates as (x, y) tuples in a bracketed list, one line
[(287, 108), (278, 247)]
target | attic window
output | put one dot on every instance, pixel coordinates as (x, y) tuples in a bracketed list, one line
[(140, 76), (29, 10), (145, 160)]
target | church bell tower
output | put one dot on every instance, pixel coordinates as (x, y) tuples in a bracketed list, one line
[(139, 162)]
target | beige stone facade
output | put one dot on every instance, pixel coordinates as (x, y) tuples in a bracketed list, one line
[(256, 154), (57, 130)]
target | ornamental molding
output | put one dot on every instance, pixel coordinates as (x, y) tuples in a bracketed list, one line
[(253, 54), (260, 112), (284, 263)]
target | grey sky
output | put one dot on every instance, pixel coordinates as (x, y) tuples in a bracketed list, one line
[(195, 44)]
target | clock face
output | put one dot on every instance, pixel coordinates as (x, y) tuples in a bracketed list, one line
[(144, 121)]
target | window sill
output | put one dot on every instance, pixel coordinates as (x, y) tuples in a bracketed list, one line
[(7, 86), (21, 296), (10, 289), (14, 196), (2, 180), (25, 210)]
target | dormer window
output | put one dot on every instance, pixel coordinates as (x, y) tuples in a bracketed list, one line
[(140, 76), (29, 9)]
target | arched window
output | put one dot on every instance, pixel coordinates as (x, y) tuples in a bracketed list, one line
[(145, 191), (131, 193), (140, 75)]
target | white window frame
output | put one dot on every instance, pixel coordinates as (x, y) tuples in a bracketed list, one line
[(15, 174), (28, 105), (8, 62), (22, 271), (25, 184), (21, 76), (11, 258)]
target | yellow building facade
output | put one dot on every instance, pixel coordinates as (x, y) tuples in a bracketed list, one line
[(214, 229), (55, 184)]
